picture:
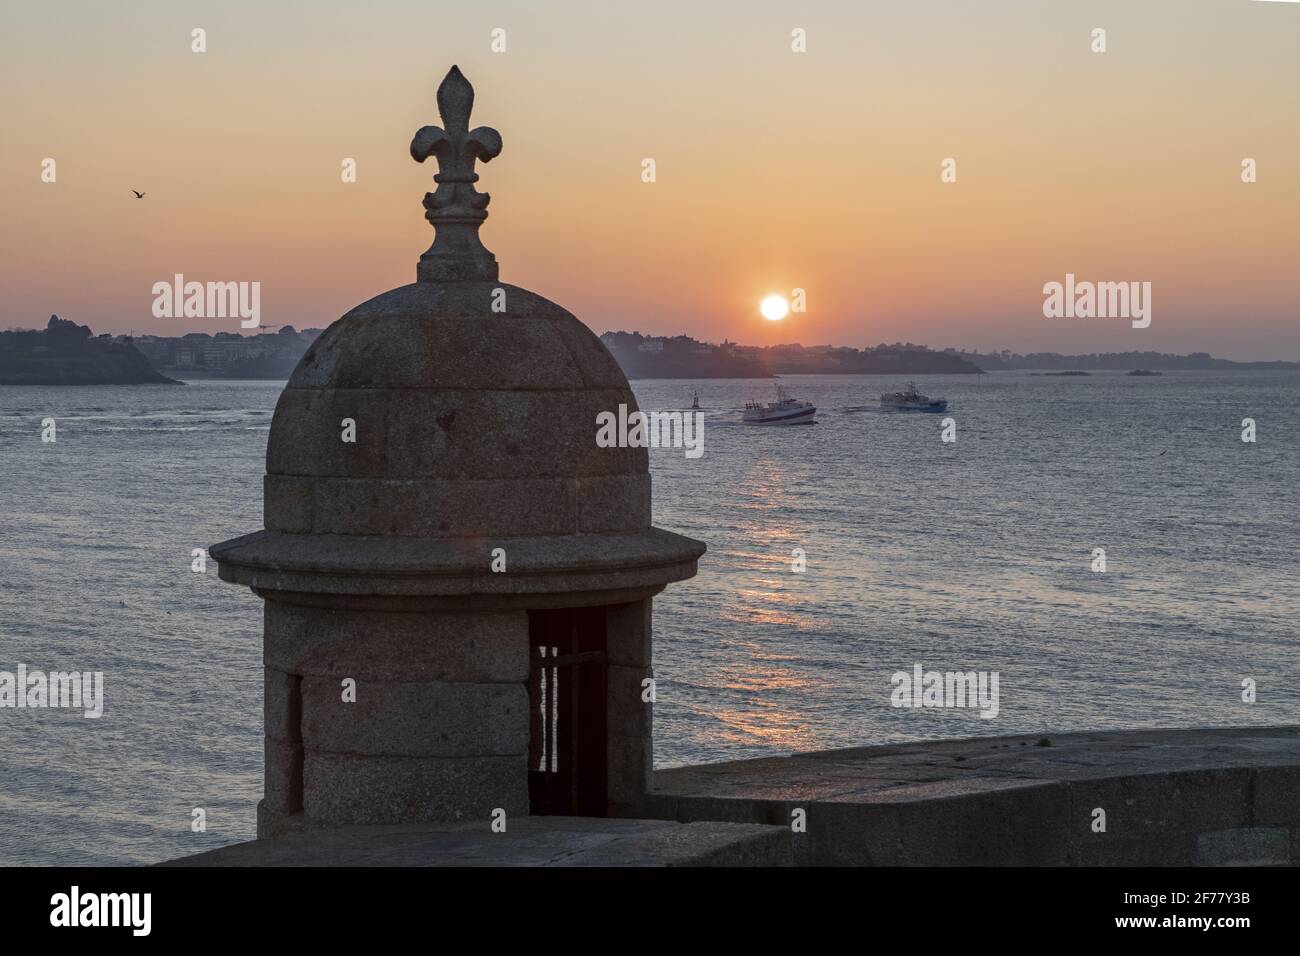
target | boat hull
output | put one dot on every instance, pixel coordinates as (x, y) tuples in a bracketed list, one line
[(915, 407), (801, 416)]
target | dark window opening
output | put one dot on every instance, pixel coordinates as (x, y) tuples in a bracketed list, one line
[(567, 712)]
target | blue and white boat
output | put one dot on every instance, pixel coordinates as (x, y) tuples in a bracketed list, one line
[(910, 400), (784, 411)]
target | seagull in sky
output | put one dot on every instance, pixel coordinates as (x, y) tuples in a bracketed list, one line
[(138, 195)]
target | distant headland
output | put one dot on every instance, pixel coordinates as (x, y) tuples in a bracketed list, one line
[(64, 353), (69, 354)]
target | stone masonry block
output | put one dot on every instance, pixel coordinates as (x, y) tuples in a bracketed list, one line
[(628, 714), (630, 769), (282, 707), (349, 788), (628, 634), (431, 719), (482, 647), (282, 767)]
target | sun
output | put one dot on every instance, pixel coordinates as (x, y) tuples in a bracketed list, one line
[(774, 308)]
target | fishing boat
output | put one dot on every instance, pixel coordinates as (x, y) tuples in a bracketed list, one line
[(910, 400), (784, 411)]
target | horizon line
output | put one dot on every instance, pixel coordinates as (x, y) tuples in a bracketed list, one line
[(918, 345)]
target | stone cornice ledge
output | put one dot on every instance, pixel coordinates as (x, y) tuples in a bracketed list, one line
[(632, 562)]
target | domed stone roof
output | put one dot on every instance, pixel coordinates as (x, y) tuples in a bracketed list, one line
[(471, 408), (467, 423)]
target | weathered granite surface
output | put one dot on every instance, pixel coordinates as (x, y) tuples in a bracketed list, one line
[(528, 841), (1171, 797)]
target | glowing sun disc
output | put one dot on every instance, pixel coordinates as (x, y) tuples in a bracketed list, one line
[(774, 307)]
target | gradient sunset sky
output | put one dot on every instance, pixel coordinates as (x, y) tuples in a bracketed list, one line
[(775, 170)]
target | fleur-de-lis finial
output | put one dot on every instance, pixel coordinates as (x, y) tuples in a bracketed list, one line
[(456, 208)]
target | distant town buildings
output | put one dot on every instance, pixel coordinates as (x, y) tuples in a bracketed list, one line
[(680, 356), (226, 354)]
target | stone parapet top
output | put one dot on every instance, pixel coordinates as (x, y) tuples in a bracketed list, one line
[(954, 767), (1122, 798), (528, 841)]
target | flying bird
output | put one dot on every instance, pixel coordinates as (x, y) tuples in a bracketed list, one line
[(138, 195)]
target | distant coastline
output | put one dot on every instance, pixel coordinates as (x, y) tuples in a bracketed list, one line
[(1132, 362), (69, 354), (649, 357), (64, 353), (681, 356)]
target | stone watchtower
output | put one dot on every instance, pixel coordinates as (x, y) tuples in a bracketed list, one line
[(457, 579)]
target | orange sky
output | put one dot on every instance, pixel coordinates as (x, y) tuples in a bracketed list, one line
[(775, 169)]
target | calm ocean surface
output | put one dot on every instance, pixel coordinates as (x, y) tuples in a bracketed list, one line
[(973, 556)]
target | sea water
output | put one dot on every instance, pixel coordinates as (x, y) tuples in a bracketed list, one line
[(970, 555)]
